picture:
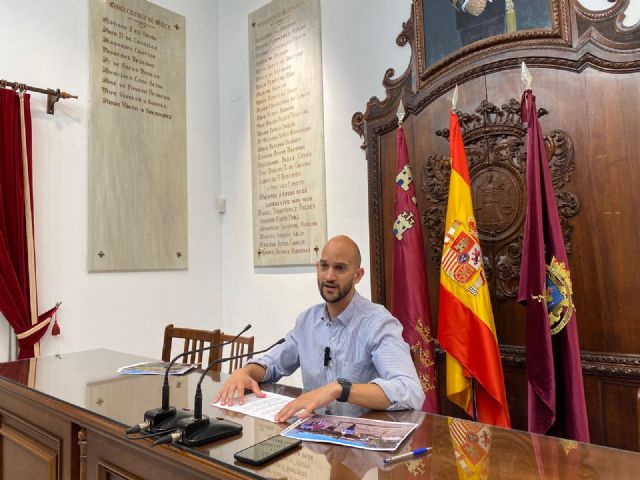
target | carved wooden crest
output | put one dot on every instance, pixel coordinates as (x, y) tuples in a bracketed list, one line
[(494, 140)]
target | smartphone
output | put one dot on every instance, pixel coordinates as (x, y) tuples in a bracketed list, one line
[(267, 450)]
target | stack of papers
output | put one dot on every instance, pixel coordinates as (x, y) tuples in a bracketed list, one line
[(264, 408)]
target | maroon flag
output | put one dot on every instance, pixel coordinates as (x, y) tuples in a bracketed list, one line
[(409, 292), (556, 393)]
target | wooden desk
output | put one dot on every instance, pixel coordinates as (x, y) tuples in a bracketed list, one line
[(63, 417)]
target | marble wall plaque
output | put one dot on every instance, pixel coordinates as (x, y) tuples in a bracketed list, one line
[(137, 139), (287, 134)]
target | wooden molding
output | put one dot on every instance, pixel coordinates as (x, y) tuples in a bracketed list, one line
[(41, 452), (104, 470)]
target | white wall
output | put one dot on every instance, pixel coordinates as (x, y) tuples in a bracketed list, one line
[(45, 44), (358, 45)]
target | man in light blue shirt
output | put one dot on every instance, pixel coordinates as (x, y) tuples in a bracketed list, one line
[(348, 349)]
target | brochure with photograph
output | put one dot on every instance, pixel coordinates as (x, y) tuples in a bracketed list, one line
[(351, 431), (155, 368)]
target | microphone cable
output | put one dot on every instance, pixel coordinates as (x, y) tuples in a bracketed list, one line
[(142, 436)]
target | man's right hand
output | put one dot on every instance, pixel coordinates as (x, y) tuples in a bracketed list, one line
[(242, 379)]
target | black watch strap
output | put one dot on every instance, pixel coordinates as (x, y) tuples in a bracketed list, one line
[(346, 389)]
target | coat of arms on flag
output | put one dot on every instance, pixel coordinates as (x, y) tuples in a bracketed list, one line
[(558, 292), (462, 257), (471, 444), (404, 222)]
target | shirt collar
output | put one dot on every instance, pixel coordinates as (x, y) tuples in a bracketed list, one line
[(346, 314)]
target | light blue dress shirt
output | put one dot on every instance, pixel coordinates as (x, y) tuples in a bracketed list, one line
[(366, 346)]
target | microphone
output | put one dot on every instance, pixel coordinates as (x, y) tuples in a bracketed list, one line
[(327, 357), (199, 429), (159, 420)]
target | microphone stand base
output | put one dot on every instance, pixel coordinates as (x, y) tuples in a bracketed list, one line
[(168, 423), (158, 416), (205, 430)]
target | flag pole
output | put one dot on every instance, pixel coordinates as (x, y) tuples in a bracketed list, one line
[(473, 399)]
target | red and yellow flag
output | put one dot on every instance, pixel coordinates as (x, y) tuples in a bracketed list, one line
[(465, 320)]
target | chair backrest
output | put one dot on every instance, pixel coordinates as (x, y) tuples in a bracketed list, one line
[(193, 339), (240, 346)]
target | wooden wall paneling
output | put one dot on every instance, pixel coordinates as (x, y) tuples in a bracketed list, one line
[(614, 131), (620, 430), (595, 412), (388, 182), (638, 416), (516, 387)]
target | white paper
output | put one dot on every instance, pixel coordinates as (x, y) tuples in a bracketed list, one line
[(264, 408)]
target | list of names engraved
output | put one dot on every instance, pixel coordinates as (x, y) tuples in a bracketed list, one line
[(132, 73), (137, 148), (289, 213)]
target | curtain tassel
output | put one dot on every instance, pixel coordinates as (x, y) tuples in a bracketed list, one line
[(55, 330)]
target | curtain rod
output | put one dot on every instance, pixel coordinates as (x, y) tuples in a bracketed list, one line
[(52, 95)]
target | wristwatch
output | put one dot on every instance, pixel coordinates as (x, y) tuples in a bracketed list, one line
[(346, 389)]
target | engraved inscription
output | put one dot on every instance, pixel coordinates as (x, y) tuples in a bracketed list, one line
[(288, 157)]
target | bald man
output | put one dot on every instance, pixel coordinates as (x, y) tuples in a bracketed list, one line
[(347, 348)]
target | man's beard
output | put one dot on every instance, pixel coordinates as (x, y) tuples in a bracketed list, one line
[(342, 292)]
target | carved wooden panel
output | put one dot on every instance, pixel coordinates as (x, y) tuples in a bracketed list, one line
[(494, 139), (586, 71)]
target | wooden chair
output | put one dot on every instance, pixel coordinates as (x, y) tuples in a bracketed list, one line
[(241, 346), (193, 339)]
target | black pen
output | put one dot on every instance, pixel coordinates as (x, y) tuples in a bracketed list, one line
[(406, 456)]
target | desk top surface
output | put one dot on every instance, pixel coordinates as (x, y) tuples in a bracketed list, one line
[(461, 449)]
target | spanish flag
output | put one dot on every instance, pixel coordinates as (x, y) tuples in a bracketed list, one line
[(465, 320)]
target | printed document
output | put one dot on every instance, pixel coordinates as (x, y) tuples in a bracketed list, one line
[(264, 408)]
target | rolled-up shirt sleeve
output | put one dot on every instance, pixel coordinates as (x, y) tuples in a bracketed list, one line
[(282, 360), (398, 378)]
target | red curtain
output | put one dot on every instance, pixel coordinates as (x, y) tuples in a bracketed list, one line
[(18, 299)]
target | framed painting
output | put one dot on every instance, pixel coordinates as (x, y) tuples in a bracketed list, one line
[(447, 30)]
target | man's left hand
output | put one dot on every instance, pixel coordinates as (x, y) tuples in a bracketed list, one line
[(305, 405)]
